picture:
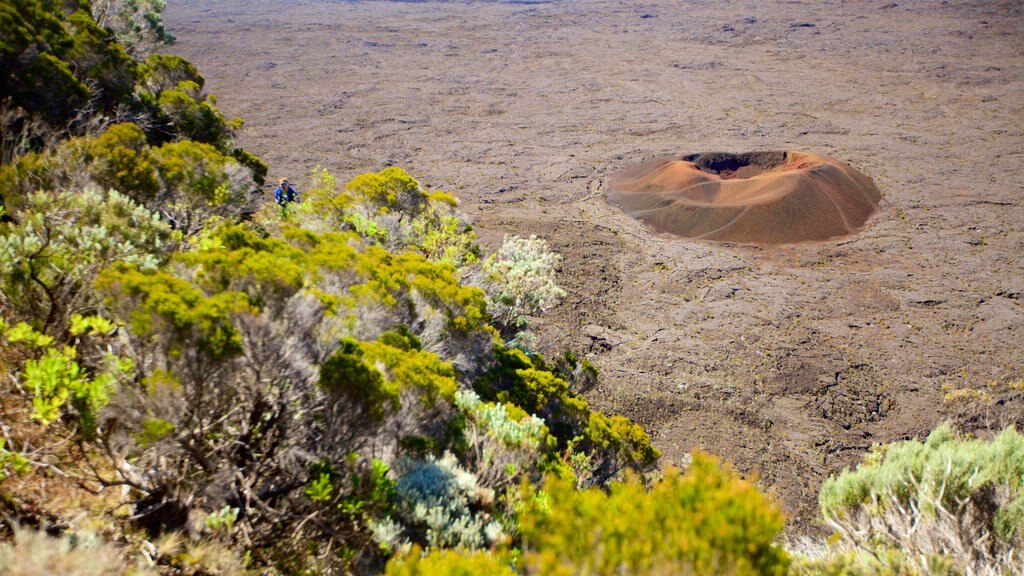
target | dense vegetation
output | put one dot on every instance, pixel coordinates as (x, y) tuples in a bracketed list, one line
[(196, 381)]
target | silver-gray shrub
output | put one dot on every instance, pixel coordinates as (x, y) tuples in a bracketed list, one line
[(520, 282), (440, 504), (443, 502), (60, 242)]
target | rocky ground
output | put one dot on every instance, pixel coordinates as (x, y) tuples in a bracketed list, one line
[(787, 360)]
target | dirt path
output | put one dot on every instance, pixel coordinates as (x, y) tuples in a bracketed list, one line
[(790, 361)]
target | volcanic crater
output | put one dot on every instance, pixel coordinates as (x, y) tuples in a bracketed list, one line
[(770, 197)]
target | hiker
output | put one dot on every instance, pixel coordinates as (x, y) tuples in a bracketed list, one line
[(285, 194)]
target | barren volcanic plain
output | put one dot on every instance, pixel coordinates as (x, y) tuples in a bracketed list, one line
[(788, 360)]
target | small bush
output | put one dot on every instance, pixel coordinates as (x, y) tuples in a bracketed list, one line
[(165, 71), (947, 497), (138, 24), (390, 209), (32, 553), (190, 114), (611, 443), (442, 505), (62, 241), (56, 63), (521, 283), (503, 441), (706, 521)]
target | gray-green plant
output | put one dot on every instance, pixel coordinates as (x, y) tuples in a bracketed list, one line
[(520, 282), (503, 442), (138, 24), (442, 505), (61, 241), (32, 552), (947, 497)]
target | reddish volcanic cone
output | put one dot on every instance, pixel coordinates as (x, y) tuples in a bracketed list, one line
[(757, 197)]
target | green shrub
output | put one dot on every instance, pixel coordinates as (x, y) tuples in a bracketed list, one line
[(12, 462), (199, 182), (355, 380), (124, 162), (165, 71), (373, 375), (56, 380), (502, 441), (706, 521), (236, 334), (187, 182), (952, 497), (192, 115), (65, 67), (101, 62), (171, 311), (53, 62), (138, 24), (612, 443)]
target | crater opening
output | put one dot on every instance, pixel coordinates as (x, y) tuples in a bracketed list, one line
[(728, 166), (767, 197)]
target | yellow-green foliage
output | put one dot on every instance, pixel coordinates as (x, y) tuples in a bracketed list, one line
[(55, 379), (163, 71), (236, 272), (530, 385), (12, 462), (158, 303), (389, 208), (123, 162), (388, 189), (449, 563), (186, 180), (196, 169), (413, 369), (706, 521), (270, 269), (437, 283), (60, 70), (373, 374), (194, 116)]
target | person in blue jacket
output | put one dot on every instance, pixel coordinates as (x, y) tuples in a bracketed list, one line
[(285, 194)]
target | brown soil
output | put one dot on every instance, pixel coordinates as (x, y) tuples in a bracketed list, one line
[(789, 360)]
